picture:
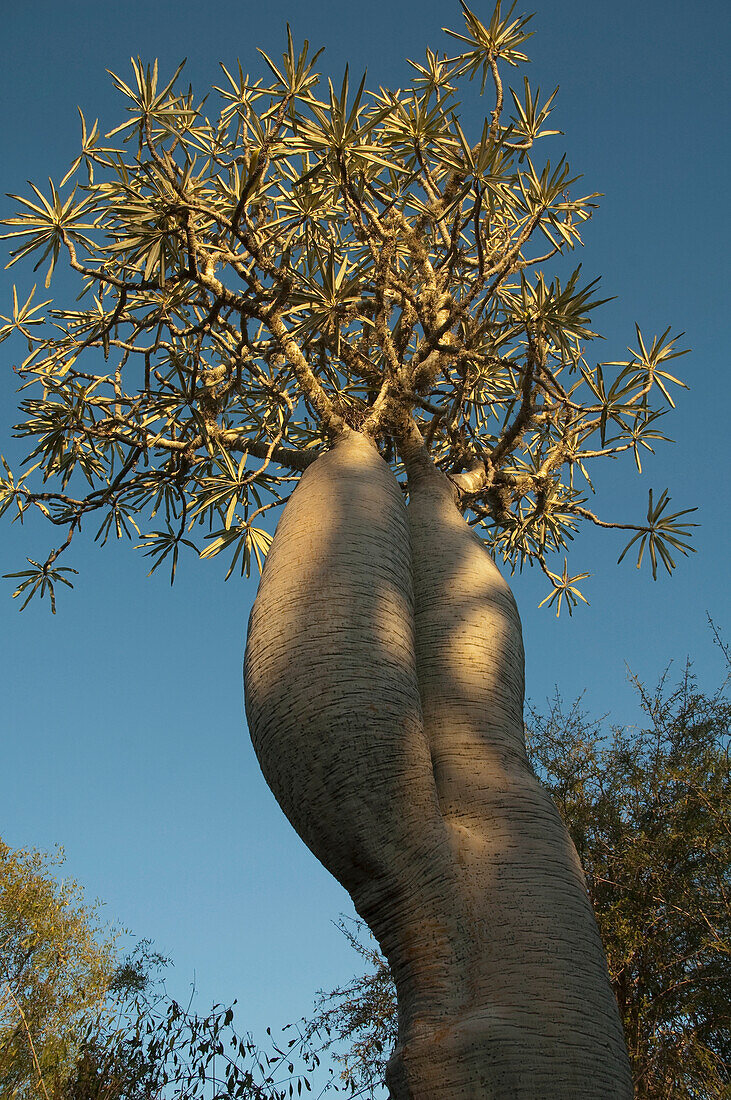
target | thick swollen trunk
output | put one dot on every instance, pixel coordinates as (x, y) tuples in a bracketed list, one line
[(332, 701), (542, 1020), (400, 762)]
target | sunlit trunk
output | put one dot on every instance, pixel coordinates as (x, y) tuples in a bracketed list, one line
[(391, 734), (333, 706), (542, 1020)]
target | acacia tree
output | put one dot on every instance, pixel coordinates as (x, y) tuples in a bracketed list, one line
[(347, 288)]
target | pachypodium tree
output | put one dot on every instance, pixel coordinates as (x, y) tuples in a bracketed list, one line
[(338, 290)]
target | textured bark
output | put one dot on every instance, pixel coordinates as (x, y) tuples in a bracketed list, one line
[(333, 706), (401, 763), (542, 1020)]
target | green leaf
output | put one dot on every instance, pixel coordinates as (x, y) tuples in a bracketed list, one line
[(662, 530), (40, 581)]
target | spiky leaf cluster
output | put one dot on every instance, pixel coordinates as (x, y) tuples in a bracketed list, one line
[(306, 257)]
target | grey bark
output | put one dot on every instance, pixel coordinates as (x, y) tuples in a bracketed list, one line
[(333, 706), (542, 1019), (391, 734)]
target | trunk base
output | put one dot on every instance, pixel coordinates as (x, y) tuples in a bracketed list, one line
[(486, 1057)]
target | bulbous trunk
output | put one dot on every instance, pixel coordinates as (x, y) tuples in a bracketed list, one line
[(333, 705), (542, 1021), (391, 734)]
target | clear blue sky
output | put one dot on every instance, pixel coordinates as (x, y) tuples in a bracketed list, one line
[(123, 729)]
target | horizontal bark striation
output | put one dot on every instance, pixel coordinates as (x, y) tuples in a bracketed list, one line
[(542, 1020), (333, 706)]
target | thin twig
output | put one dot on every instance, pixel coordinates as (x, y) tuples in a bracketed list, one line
[(30, 1040)]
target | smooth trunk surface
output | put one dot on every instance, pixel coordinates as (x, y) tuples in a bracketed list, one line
[(542, 1020), (384, 693), (333, 706)]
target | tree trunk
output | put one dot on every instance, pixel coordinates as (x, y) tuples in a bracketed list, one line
[(401, 763), (332, 702), (542, 1020)]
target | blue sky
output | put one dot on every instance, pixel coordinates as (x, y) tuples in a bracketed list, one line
[(124, 737)]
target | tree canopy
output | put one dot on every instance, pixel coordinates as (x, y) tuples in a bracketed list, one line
[(649, 810), (261, 268), (56, 965)]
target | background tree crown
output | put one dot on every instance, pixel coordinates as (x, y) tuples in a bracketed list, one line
[(310, 258), (56, 965)]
